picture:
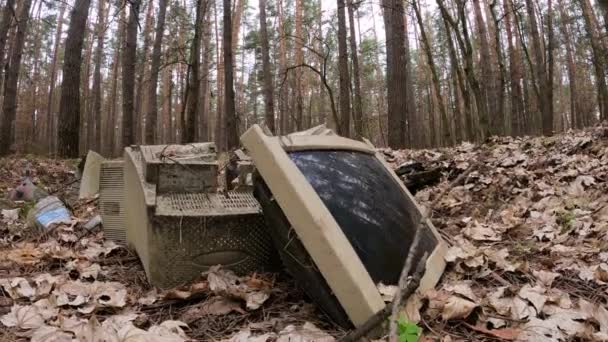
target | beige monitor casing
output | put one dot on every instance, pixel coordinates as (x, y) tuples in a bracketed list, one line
[(318, 230)]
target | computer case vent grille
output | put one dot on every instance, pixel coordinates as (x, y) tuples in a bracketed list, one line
[(111, 200)]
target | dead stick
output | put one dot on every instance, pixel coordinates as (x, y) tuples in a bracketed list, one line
[(383, 314), (407, 268)]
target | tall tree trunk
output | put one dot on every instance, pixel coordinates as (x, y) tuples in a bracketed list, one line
[(33, 118), (141, 75), (499, 91), (516, 73), (232, 136), (152, 107), (599, 57), (205, 108), (51, 119), (409, 117), (110, 136), (219, 117), (540, 69), (461, 83), (69, 105), (167, 103), (299, 59), (128, 75), (96, 143), (344, 126), (487, 76), (9, 106), (447, 136), (570, 65), (193, 81), (5, 25), (396, 74), (268, 87), (283, 93), (357, 102)]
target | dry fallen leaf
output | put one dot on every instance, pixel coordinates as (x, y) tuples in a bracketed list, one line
[(508, 334), (457, 307), (23, 317), (48, 333)]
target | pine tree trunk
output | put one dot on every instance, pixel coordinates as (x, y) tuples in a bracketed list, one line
[(283, 93), (468, 133), (599, 57), (232, 136), (540, 67), (219, 117), (299, 59), (110, 135), (142, 77), (69, 105), (570, 65), (409, 117), (357, 102), (5, 25), (446, 136), (204, 108), (500, 89), (152, 107), (516, 74), (95, 144), (9, 105), (395, 71), (128, 75), (487, 76), (193, 81), (344, 125), (268, 87), (51, 119)]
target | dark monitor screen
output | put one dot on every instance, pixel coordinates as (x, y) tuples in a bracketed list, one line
[(369, 205)]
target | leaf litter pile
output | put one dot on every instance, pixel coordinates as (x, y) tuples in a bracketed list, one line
[(527, 259)]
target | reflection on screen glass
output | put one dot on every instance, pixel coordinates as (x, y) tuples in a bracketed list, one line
[(368, 205)]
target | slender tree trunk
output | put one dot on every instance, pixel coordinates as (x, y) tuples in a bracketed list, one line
[(142, 76), (298, 47), (487, 75), (464, 91), (599, 57), (204, 108), (9, 105), (410, 116), (447, 136), (570, 65), (499, 92), (152, 107), (344, 126), (128, 75), (51, 119), (219, 117), (110, 134), (357, 102), (95, 144), (268, 85), (516, 74), (5, 25), (232, 136), (34, 120), (283, 93), (167, 103), (540, 68), (193, 81)]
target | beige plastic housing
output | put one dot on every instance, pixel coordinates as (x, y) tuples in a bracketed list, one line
[(316, 227), (111, 200), (179, 235)]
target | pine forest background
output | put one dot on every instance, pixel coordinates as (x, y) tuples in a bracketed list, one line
[(102, 74)]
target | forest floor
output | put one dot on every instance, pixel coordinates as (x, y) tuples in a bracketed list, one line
[(528, 259)]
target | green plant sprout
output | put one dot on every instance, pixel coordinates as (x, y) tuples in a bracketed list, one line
[(408, 331)]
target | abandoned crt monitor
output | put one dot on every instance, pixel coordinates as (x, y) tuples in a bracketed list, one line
[(341, 219)]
